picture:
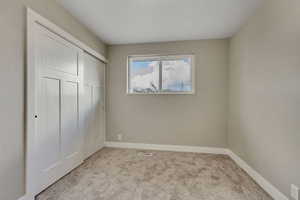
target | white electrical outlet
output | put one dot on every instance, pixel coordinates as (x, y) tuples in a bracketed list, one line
[(295, 192), (120, 137)]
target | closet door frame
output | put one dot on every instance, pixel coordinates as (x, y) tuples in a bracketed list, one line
[(34, 19)]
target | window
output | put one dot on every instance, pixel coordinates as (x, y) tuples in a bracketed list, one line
[(160, 74)]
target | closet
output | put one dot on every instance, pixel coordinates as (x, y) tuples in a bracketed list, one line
[(93, 105), (58, 139), (65, 106)]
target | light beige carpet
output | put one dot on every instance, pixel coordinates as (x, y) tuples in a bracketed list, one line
[(123, 174)]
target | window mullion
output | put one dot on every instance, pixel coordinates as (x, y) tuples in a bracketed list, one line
[(160, 76)]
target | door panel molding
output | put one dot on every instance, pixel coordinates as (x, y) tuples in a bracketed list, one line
[(33, 17)]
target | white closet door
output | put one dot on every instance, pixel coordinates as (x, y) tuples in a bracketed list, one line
[(88, 123), (99, 106), (58, 140), (94, 105)]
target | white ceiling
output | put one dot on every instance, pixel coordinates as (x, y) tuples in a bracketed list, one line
[(141, 21)]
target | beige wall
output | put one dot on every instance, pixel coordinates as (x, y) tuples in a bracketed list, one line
[(264, 125), (12, 66), (263, 80), (198, 119)]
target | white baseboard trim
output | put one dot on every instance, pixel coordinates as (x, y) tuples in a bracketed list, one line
[(161, 147), (260, 180), (22, 198), (26, 198)]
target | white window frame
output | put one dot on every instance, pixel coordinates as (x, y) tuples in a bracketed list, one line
[(161, 58)]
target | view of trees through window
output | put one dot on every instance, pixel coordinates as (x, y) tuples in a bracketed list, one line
[(162, 74)]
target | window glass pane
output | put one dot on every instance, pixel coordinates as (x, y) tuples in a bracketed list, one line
[(144, 76), (177, 75)]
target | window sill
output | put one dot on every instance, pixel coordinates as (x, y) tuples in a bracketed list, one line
[(162, 93)]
